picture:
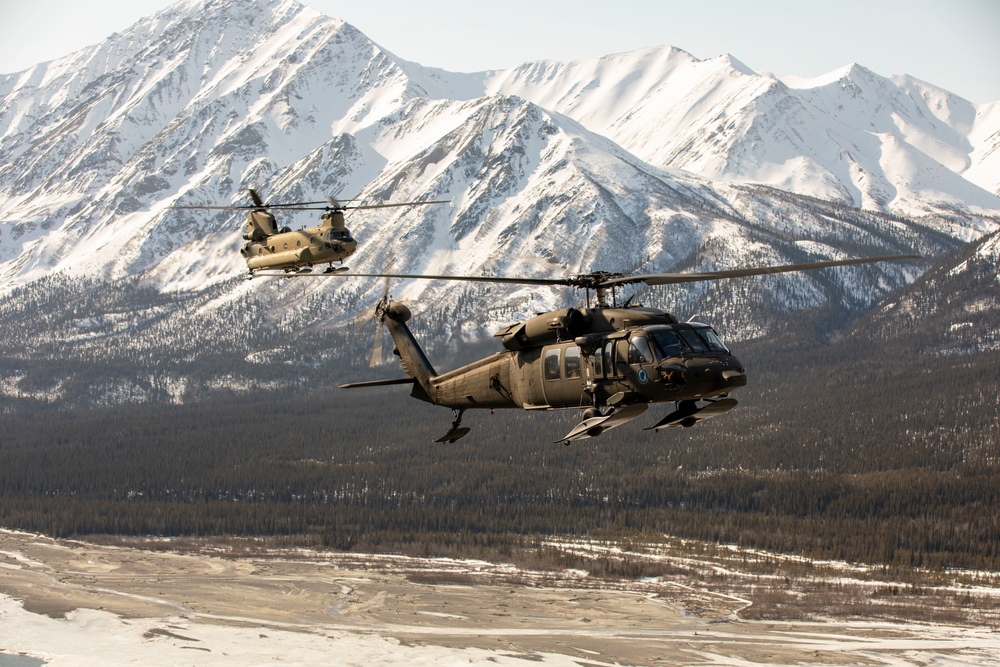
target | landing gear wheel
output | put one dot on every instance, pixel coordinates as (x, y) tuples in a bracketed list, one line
[(457, 430)]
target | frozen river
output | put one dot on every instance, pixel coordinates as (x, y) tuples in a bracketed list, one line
[(72, 603)]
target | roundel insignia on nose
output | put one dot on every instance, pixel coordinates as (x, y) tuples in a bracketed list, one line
[(643, 375)]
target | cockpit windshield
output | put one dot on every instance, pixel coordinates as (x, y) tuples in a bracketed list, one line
[(673, 343), (668, 344), (712, 339)]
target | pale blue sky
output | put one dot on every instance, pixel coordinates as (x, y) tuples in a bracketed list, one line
[(954, 44)]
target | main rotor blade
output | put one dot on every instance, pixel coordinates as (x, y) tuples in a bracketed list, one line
[(471, 279), (602, 280), (677, 278)]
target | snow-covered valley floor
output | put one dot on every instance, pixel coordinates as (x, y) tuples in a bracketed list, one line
[(83, 604)]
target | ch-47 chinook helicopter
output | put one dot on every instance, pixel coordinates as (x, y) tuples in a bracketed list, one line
[(610, 361), (270, 248)]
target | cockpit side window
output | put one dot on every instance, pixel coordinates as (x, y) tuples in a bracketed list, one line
[(639, 352)]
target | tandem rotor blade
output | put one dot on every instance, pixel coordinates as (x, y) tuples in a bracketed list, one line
[(306, 206), (329, 204)]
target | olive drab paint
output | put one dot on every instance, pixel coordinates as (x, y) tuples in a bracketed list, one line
[(611, 362)]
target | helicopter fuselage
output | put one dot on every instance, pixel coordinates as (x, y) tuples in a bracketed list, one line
[(612, 362), (626, 356), (269, 248)]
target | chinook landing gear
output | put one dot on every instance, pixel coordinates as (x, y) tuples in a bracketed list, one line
[(457, 430)]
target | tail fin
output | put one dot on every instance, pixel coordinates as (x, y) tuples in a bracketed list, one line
[(411, 356)]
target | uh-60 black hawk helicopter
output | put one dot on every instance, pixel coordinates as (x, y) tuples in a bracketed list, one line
[(610, 361), (284, 250)]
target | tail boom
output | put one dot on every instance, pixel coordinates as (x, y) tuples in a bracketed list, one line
[(481, 384)]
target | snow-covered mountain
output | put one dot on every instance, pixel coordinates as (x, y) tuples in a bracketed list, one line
[(645, 161), (852, 136)]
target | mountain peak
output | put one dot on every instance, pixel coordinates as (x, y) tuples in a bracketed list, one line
[(736, 64), (211, 96)]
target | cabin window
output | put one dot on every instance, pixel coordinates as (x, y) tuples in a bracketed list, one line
[(286, 246), (551, 364), (572, 362), (298, 244), (639, 352)]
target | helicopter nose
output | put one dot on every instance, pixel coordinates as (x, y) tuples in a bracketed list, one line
[(734, 379), (716, 374), (734, 374)]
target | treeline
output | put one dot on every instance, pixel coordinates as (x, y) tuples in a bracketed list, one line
[(830, 454)]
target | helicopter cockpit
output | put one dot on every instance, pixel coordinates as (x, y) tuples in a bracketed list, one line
[(688, 356), (339, 235), (661, 342)]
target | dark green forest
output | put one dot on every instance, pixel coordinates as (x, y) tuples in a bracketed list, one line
[(837, 450)]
